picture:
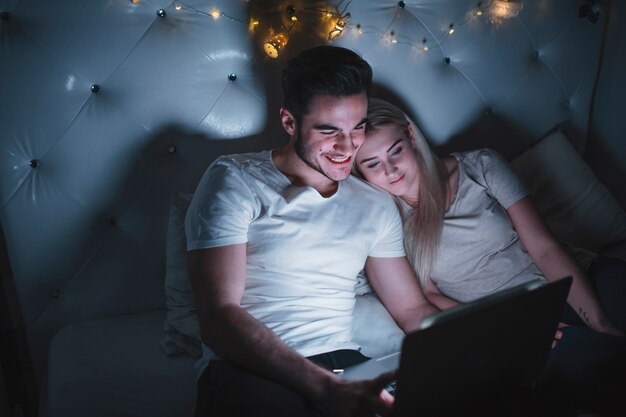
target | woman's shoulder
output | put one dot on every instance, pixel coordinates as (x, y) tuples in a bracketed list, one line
[(476, 155), (479, 160)]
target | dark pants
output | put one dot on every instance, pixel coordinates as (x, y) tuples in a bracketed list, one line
[(587, 369), (227, 390)]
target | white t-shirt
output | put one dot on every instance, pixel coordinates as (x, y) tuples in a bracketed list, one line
[(304, 251)]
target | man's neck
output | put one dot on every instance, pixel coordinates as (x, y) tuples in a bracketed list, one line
[(299, 173)]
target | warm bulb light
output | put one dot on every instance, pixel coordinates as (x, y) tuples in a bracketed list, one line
[(504, 9), (451, 29), (339, 27), (215, 13), (273, 47), (253, 24), (135, 1), (294, 19), (479, 12), (178, 7), (392, 37)]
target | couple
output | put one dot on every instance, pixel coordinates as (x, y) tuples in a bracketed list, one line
[(277, 238)]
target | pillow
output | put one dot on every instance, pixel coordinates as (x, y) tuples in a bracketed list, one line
[(576, 206), (181, 331), (374, 329)]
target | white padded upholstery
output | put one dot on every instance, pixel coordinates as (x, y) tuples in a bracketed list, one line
[(85, 177)]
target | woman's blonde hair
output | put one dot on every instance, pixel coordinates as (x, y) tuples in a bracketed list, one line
[(422, 230)]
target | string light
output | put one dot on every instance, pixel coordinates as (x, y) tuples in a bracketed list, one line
[(339, 27), (135, 1), (337, 21), (273, 46), (253, 24)]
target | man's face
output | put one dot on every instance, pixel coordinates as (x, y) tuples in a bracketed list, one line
[(330, 134)]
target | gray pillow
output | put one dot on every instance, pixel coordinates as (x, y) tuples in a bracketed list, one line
[(576, 206)]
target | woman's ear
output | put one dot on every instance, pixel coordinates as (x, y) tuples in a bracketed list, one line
[(409, 127), (288, 122)]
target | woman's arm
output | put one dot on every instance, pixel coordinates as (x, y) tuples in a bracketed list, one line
[(555, 263), (395, 283)]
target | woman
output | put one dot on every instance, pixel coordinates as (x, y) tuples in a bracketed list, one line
[(471, 230)]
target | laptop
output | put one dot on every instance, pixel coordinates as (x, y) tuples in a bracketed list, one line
[(462, 360)]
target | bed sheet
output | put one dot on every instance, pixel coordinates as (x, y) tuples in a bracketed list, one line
[(116, 368)]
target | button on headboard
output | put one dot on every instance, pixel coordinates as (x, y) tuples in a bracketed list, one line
[(106, 108)]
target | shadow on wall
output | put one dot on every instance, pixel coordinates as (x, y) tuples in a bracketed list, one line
[(489, 131), (609, 166)]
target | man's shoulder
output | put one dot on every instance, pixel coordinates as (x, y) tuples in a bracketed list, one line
[(243, 160), (241, 164), (368, 193), (363, 186)]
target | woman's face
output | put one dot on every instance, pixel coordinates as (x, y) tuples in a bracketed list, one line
[(387, 159)]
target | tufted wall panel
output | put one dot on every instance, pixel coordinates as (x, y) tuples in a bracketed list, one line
[(107, 107)]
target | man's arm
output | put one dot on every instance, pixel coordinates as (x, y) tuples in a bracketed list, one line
[(218, 280), (437, 298), (397, 286)]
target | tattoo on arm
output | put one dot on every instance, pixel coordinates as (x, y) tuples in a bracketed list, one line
[(583, 314)]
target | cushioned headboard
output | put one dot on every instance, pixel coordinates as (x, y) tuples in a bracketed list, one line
[(109, 107)]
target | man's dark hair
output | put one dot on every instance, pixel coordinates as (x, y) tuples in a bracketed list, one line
[(323, 70)]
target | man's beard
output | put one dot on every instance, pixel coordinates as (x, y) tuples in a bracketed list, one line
[(301, 151)]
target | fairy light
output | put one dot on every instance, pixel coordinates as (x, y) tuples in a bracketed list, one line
[(273, 46), (339, 27), (392, 36), (479, 10), (135, 1), (337, 22), (504, 9), (252, 24)]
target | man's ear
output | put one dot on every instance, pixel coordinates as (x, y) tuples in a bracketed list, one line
[(288, 122)]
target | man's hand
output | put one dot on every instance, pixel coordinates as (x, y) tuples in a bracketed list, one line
[(361, 398)]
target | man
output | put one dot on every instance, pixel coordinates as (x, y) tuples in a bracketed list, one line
[(275, 242)]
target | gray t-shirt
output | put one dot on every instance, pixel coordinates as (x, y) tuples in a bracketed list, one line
[(480, 252)]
